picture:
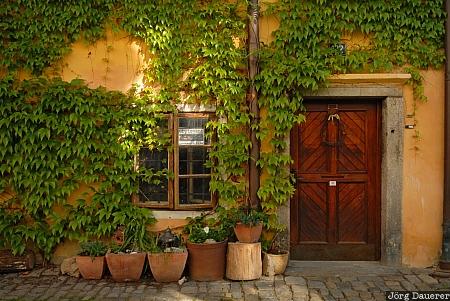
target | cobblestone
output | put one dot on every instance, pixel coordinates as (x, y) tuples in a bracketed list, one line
[(303, 281)]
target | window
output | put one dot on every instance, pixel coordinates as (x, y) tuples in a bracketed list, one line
[(178, 179)]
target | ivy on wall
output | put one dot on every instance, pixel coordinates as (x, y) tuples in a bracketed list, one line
[(57, 136), (404, 35)]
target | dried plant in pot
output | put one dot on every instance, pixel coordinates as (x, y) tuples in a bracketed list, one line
[(275, 255), (207, 244), (168, 259), (91, 260)]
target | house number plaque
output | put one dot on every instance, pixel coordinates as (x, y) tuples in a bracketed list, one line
[(332, 183)]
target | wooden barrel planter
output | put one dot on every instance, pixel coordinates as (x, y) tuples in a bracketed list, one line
[(244, 261), (206, 261)]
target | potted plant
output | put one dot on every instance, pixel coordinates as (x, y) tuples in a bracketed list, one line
[(275, 256), (168, 258), (126, 257), (91, 260), (248, 224), (207, 244)]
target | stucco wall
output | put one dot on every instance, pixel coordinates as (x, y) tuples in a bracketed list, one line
[(423, 175), (423, 164), (117, 64)]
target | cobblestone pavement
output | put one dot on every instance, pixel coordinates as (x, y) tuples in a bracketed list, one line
[(302, 281)]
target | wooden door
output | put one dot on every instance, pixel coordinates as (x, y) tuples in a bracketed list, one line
[(335, 211)]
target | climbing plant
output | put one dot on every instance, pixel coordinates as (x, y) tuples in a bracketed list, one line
[(306, 49), (61, 137), (58, 137)]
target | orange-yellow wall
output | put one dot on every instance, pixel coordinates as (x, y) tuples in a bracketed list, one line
[(423, 163), (423, 175), (117, 63)]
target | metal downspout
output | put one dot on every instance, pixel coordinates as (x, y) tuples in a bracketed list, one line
[(252, 98), (445, 256)]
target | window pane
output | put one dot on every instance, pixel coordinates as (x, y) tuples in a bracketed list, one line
[(194, 191), (153, 182), (192, 160)]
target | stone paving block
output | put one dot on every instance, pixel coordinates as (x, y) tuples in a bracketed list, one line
[(336, 293), (251, 297), (300, 298), (237, 294), (264, 284), (316, 284), (189, 290), (354, 299), (267, 294), (324, 292), (186, 298), (348, 278), (249, 289), (315, 297), (408, 285), (428, 279), (397, 278), (135, 298), (33, 273), (214, 287), (350, 293), (365, 296), (295, 280), (423, 287), (344, 284), (284, 298), (379, 296), (299, 288)]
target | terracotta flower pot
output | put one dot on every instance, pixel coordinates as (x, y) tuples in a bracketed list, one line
[(206, 262), (126, 267), (167, 267), (248, 233), (91, 267), (274, 264)]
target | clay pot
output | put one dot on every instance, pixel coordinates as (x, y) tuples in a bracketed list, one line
[(167, 267), (125, 267), (274, 264), (248, 233), (91, 267), (206, 262)]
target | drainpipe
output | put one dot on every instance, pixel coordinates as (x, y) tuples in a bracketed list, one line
[(445, 256), (252, 98)]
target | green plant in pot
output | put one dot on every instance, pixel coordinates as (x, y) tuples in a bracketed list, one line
[(248, 224), (207, 243), (126, 257), (168, 258), (91, 259)]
